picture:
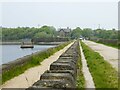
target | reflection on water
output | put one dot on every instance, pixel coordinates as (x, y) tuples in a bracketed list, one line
[(13, 52)]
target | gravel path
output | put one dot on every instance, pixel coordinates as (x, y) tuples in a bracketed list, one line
[(33, 74), (110, 54), (88, 77)]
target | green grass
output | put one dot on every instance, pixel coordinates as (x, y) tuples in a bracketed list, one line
[(110, 45), (35, 60), (80, 76), (104, 75)]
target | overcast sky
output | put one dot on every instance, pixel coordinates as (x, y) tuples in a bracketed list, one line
[(60, 14)]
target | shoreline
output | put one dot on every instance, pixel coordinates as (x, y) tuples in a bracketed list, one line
[(38, 43), (25, 56), (20, 60), (27, 62), (37, 70)]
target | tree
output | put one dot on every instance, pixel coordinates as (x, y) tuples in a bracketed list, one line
[(76, 33), (87, 33), (15, 34), (41, 35)]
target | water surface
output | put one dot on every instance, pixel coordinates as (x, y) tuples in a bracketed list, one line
[(13, 52)]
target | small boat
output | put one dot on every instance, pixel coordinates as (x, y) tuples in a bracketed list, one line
[(27, 46)]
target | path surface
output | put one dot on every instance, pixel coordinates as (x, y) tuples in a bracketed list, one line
[(110, 54), (88, 77), (33, 74)]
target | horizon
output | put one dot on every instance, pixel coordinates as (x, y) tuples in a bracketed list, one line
[(59, 27)]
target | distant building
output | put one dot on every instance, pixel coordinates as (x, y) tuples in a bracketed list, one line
[(64, 32)]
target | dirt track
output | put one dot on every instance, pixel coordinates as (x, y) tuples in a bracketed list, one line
[(110, 54)]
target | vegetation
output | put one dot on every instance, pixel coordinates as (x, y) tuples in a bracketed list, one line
[(104, 75), (80, 76), (109, 42), (50, 33), (15, 34), (107, 37), (76, 33), (93, 34), (0, 34), (35, 60), (12, 34)]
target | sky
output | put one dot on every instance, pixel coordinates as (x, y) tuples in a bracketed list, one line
[(60, 14)]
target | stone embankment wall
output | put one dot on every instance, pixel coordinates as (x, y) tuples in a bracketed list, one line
[(62, 73)]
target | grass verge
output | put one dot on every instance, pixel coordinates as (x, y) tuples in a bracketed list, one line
[(34, 61), (80, 76), (110, 45), (104, 75)]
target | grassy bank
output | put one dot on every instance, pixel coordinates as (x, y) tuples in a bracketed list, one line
[(80, 76), (104, 75), (34, 61), (111, 43)]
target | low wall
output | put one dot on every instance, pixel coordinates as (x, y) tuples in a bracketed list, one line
[(49, 43), (10, 43), (37, 43), (62, 73), (57, 39)]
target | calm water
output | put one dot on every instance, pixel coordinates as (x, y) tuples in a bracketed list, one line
[(13, 52)]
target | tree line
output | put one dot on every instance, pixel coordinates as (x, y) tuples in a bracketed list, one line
[(19, 33), (97, 33)]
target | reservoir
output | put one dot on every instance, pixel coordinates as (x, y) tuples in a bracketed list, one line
[(13, 52)]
